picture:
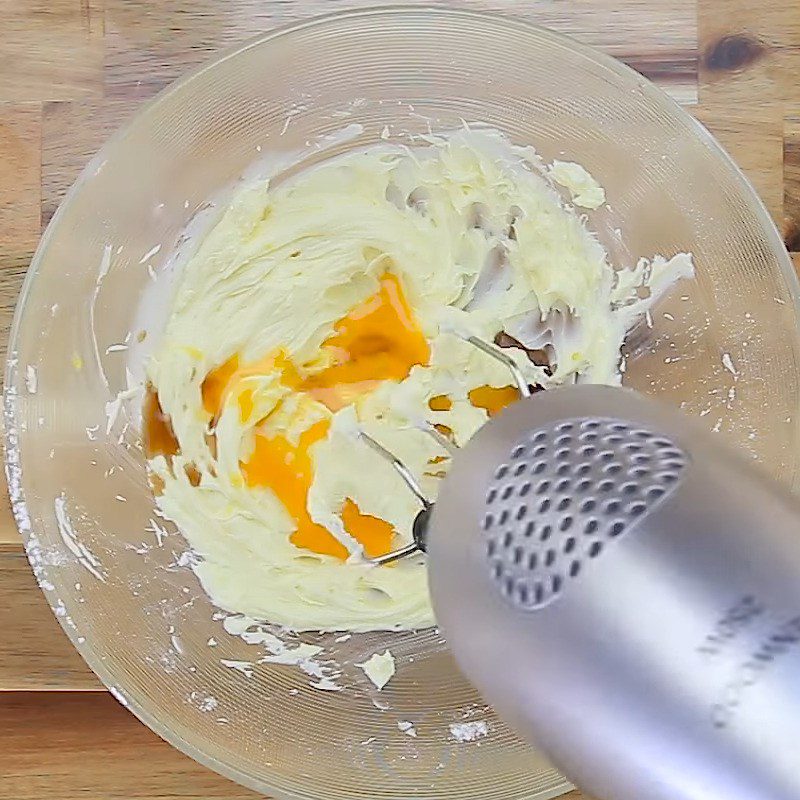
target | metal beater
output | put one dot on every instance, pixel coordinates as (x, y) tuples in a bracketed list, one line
[(625, 591)]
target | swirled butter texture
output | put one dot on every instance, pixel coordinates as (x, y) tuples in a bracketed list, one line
[(336, 301)]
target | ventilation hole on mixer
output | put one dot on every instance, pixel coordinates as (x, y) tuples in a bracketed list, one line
[(587, 450), (524, 489), (632, 447), (518, 451), (640, 458), (591, 527), (569, 544), (638, 472), (607, 455), (539, 436), (603, 486), (520, 468), (612, 507), (673, 454), (491, 547), (539, 467), (538, 593), (563, 469), (550, 558), (544, 506), (519, 554), (673, 465), (543, 487), (530, 528), (595, 549), (564, 427), (523, 594), (612, 439), (590, 425), (563, 454), (508, 586), (491, 496), (508, 539), (616, 529), (588, 505), (563, 441), (582, 485), (546, 532), (539, 451), (635, 509), (563, 504), (563, 485), (507, 492), (501, 471), (612, 469), (589, 436), (522, 512), (583, 469), (533, 560), (555, 583), (488, 522), (661, 442), (503, 518), (497, 570), (642, 434), (630, 488), (654, 492), (574, 569), (565, 524), (618, 427), (667, 477)]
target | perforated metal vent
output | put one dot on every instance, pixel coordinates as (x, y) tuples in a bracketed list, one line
[(565, 493)]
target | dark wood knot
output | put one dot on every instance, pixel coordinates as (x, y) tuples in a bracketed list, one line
[(734, 52), (791, 236)]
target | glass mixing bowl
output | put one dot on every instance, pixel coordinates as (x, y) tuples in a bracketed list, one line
[(724, 347)]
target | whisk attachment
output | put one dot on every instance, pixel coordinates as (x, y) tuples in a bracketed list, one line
[(420, 525), (440, 438), (494, 351), (400, 468)]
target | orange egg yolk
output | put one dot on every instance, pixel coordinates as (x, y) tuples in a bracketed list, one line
[(157, 434), (378, 340), (288, 471), (493, 399)]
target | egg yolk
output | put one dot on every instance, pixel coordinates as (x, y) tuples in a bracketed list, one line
[(288, 471), (378, 340), (493, 399), (158, 436)]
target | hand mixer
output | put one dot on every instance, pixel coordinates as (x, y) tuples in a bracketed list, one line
[(626, 592)]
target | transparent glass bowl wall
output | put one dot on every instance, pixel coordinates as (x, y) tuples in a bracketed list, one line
[(724, 346)]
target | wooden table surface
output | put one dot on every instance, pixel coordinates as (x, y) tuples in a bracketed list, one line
[(71, 71)]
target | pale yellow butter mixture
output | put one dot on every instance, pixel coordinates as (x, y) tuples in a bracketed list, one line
[(338, 301)]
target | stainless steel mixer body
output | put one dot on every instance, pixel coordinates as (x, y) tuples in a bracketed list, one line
[(626, 592)]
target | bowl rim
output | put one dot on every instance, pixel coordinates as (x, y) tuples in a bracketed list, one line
[(432, 11)]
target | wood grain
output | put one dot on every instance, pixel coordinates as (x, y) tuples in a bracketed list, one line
[(20, 201), (36, 654), (150, 43), (754, 139), (51, 49), (71, 71), (72, 132), (87, 747), (749, 52), (791, 181)]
